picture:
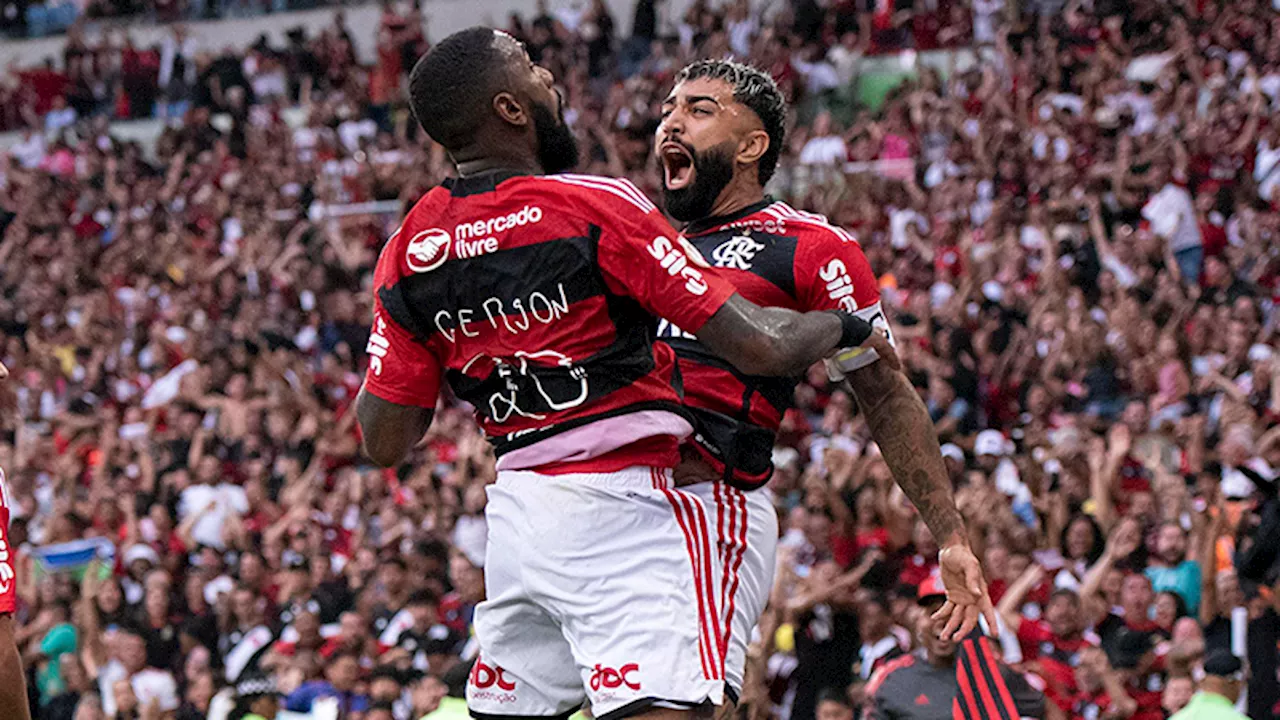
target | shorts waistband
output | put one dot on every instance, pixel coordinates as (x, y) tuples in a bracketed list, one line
[(637, 476)]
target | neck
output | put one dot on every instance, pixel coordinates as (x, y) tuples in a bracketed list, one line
[(506, 155), (741, 192), (939, 661)]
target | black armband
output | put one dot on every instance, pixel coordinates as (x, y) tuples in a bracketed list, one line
[(853, 330)]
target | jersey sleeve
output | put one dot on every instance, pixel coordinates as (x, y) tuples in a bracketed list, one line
[(832, 273), (642, 257), (401, 369), (8, 578), (1028, 700)]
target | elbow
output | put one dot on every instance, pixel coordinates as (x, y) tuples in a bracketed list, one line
[(382, 456), (761, 353)]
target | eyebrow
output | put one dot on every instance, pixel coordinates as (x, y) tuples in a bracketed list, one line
[(693, 100)]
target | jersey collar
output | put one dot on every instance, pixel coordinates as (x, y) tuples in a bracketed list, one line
[(483, 182), (698, 227)]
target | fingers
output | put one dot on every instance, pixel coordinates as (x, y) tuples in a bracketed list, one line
[(989, 613), (969, 622), (943, 612), (4, 371), (953, 622), (883, 349)]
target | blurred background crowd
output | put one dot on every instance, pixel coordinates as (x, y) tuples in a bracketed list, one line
[(1075, 224)]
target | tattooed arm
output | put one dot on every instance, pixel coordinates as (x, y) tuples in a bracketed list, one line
[(901, 426)]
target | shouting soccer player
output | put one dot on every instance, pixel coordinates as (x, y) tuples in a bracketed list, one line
[(718, 144), (536, 298), (13, 686)]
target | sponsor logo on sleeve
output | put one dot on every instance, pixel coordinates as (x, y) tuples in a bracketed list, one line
[(427, 250), (378, 346), (839, 286), (677, 263)]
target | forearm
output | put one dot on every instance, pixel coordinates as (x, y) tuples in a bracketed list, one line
[(1092, 581), (389, 430), (770, 341), (900, 425), (1121, 703), (13, 686)]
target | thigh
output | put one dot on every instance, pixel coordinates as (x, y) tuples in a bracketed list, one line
[(628, 567), (525, 668)]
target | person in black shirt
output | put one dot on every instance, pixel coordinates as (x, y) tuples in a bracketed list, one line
[(63, 707), (827, 636), (157, 624)]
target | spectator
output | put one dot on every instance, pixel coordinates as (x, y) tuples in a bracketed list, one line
[(339, 684)]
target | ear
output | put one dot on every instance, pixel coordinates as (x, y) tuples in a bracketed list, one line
[(510, 109), (753, 147)]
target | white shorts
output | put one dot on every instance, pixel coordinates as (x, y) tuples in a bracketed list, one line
[(747, 526), (600, 588)]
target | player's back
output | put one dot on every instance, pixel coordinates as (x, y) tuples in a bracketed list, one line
[(775, 256), (533, 297)]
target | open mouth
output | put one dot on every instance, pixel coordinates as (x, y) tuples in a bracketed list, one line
[(677, 165)]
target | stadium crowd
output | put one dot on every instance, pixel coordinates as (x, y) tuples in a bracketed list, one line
[(1078, 239)]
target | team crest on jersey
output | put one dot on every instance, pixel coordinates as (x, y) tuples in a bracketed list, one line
[(736, 253), (428, 250)]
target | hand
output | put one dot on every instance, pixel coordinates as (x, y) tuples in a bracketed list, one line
[(1119, 440), (693, 468), (879, 342), (4, 371), (1125, 539), (967, 595)]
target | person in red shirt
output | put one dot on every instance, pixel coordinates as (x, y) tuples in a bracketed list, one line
[(1100, 692), (13, 686), (535, 298), (1054, 643)]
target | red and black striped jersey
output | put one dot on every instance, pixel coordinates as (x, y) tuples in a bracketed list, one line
[(775, 256), (536, 299), (8, 577)]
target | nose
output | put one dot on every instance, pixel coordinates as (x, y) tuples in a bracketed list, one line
[(672, 126)]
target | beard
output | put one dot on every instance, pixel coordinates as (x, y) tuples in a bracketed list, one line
[(713, 170), (557, 147)]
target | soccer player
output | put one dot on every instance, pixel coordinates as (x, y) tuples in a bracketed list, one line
[(13, 685), (718, 145), (536, 298)]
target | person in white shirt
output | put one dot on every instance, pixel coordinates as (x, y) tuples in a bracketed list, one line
[(207, 507), (825, 146), (1172, 214)]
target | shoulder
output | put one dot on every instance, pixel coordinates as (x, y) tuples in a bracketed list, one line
[(597, 189), (890, 673), (809, 227)]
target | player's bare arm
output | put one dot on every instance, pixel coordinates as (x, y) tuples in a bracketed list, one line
[(776, 341), (13, 685), (900, 425), (389, 430)]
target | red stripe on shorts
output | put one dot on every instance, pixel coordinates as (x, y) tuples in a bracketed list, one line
[(695, 507), (704, 640)]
